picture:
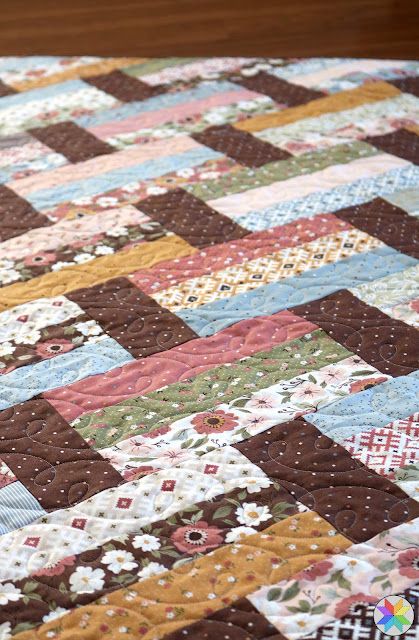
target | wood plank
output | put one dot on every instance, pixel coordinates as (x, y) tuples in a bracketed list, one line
[(374, 28)]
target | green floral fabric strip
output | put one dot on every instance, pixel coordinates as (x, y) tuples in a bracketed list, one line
[(147, 413)]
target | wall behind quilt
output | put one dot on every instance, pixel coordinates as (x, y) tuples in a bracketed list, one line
[(367, 28)]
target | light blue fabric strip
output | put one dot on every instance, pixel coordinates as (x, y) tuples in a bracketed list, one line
[(352, 80), (392, 400), (47, 198), (16, 99), (307, 66), (331, 200), (289, 292), (26, 382), (203, 90), (18, 507), (408, 200), (49, 161)]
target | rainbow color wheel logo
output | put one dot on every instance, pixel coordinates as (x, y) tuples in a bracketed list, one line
[(393, 615)]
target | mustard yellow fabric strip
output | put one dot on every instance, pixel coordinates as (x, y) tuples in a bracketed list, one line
[(88, 274), (160, 604), (414, 128), (370, 92), (83, 71)]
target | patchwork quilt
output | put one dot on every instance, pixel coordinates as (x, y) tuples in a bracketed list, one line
[(208, 348)]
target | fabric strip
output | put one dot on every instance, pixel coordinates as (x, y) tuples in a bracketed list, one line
[(182, 362), (372, 92), (98, 270)]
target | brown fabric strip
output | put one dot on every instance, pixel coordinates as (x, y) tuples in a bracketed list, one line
[(279, 90), (50, 458), (402, 143), (322, 475), (240, 145), (191, 218), (5, 90), (123, 87), (391, 225), (17, 215), (407, 85), (73, 142), (239, 622), (187, 535), (387, 344), (132, 318)]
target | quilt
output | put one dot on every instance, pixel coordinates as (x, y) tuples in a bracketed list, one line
[(209, 307)]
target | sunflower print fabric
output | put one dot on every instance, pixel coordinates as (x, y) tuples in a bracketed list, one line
[(209, 303)]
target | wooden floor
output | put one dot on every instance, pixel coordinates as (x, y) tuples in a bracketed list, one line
[(375, 28)]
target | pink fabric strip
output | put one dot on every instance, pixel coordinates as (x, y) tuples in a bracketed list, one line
[(102, 164), (172, 114), (169, 273), (238, 204), (185, 361), (68, 231)]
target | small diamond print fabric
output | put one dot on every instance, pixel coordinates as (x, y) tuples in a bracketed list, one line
[(209, 304)]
